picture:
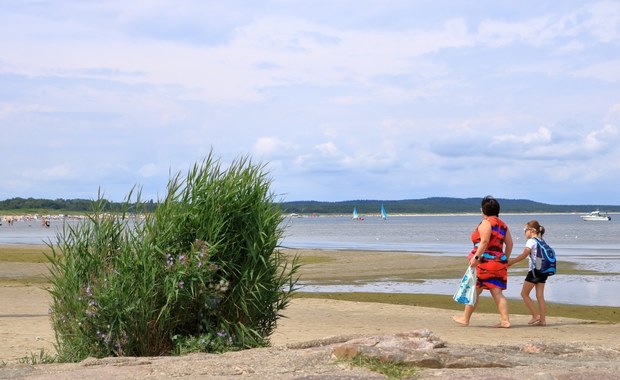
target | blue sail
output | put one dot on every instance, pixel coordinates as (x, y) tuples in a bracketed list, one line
[(355, 215), (383, 212)]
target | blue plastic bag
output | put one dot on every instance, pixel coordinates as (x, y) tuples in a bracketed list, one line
[(466, 292)]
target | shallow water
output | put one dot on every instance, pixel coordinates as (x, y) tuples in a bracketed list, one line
[(592, 245), (31, 231), (592, 290)]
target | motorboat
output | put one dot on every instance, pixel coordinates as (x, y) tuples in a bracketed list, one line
[(596, 216)]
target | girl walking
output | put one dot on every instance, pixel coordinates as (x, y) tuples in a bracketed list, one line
[(534, 280)]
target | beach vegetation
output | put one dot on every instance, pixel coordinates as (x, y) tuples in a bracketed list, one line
[(42, 357), (389, 369), (202, 272)]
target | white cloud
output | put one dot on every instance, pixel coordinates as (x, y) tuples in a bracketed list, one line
[(604, 22), (605, 71), (541, 136), (149, 170), (501, 33), (58, 172), (605, 138), (613, 116), (272, 147), (328, 148)]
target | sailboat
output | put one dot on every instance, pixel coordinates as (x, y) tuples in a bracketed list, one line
[(356, 215), (383, 212)]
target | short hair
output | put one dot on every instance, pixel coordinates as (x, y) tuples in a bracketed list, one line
[(490, 206)]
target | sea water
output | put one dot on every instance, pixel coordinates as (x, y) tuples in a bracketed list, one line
[(591, 245)]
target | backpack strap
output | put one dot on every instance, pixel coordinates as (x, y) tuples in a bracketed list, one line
[(540, 247)]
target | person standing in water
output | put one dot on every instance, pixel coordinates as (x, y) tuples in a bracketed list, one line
[(533, 230), (492, 248)]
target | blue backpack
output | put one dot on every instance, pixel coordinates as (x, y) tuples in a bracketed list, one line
[(545, 258)]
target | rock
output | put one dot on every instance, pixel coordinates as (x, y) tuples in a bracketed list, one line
[(413, 347), (329, 359), (419, 348)]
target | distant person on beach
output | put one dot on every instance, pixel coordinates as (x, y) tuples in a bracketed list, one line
[(533, 230), (492, 248)]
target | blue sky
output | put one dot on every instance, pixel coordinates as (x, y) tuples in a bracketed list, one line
[(341, 100)]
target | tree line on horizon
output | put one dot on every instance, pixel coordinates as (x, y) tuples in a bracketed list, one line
[(406, 206), (38, 205), (439, 205)]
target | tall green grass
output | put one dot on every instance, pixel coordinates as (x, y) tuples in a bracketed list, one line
[(201, 273)]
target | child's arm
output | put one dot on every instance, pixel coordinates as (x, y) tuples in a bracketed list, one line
[(523, 255)]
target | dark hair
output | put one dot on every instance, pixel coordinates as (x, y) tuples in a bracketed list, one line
[(490, 206), (533, 224)]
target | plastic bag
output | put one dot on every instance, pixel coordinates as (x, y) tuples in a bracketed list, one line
[(466, 292)]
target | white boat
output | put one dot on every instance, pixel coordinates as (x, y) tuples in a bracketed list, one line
[(596, 216), (383, 212)]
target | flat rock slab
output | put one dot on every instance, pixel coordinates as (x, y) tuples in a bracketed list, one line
[(328, 359)]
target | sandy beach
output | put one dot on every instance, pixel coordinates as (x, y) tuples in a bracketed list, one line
[(25, 328)]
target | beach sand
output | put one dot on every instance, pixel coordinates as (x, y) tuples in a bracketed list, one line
[(25, 327), (564, 349)]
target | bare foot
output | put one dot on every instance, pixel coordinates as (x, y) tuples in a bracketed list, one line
[(460, 321), (539, 323), (503, 325), (533, 321)]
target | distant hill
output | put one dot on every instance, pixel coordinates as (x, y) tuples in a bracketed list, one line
[(436, 205)]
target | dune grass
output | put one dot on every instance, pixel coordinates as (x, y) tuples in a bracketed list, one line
[(199, 274)]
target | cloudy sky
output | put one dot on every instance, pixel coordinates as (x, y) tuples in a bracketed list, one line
[(341, 100)]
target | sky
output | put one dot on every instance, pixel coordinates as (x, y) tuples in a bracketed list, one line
[(339, 100)]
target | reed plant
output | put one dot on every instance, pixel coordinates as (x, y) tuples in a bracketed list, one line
[(203, 272)]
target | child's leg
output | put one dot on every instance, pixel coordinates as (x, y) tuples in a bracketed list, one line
[(542, 306), (502, 307), (525, 294)]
